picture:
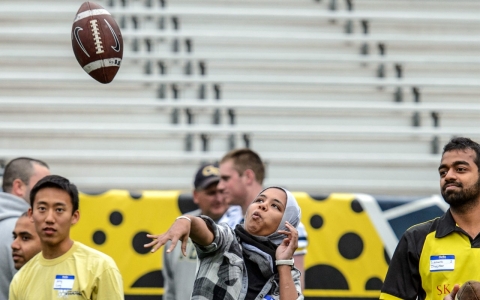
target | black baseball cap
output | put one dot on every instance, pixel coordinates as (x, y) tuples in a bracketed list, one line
[(206, 175)]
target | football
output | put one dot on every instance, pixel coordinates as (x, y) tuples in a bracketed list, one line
[(470, 290), (97, 42)]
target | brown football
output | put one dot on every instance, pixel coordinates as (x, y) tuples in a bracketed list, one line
[(97, 42), (470, 290)]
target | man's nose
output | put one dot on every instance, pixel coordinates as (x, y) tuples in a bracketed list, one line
[(450, 176), (50, 218), (15, 244)]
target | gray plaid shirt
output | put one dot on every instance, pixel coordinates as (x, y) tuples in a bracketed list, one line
[(222, 273)]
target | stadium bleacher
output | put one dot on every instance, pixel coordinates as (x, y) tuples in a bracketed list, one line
[(335, 95)]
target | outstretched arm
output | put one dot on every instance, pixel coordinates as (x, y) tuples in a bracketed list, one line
[(284, 252), (182, 229)]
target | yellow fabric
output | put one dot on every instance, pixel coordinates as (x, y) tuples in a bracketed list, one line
[(438, 284), (96, 276)]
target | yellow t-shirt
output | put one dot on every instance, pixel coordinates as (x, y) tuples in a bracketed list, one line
[(81, 273)]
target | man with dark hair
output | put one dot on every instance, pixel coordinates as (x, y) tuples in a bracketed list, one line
[(179, 271), (241, 179), (19, 176), (432, 257), (65, 268), (26, 243)]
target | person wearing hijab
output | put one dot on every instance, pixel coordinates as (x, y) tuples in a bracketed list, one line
[(254, 261)]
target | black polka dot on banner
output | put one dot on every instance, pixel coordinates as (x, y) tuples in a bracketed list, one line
[(139, 240), (325, 277), (356, 206), (350, 245), (94, 192), (186, 204), (374, 284), (99, 237), (386, 256), (135, 195), (319, 197), (153, 279), (116, 218), (316, 221)]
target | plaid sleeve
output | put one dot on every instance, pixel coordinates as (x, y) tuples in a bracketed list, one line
[(224, 236)]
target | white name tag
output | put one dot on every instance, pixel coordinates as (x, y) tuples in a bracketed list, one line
[(63, 282), (440, 263)]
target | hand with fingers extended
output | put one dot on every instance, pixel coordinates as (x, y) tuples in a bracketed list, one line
[(179, 231), (289, 244)]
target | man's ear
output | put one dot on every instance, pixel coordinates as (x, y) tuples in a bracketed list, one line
[(249, 176), (195, 196), (75, 217), (29, 214), (19, 188)]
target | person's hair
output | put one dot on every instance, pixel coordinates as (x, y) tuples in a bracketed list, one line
[(244, 159), (19, 168), (58, 182), (463, 143)]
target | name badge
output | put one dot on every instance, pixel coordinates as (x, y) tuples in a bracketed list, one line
[(440, 263), (63, 282)]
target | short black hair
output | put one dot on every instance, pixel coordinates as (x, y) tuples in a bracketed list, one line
[(463, 143), (19, 168), (58, 182)]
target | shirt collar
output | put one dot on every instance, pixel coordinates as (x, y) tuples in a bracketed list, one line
[(446, 225)]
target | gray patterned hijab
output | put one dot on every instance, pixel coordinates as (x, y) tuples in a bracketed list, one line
[(292, 214)]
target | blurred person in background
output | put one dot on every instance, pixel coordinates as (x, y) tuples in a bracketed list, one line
[(241, 179), (179, 271), (433, 258), (26, 243), (19, 177)]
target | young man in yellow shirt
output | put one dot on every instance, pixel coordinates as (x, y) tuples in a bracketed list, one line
[(65, 269)]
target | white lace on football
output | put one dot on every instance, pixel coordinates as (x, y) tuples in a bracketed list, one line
[(96, 36)]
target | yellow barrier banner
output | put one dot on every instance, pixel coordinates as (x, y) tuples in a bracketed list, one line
[(348, 239)]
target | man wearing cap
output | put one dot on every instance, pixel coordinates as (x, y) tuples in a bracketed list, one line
[(179, 271)]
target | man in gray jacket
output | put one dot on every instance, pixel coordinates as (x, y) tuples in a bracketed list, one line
[(19, 177)]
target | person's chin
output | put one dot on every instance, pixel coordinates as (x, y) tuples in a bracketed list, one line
[(448, 194), (50, 240), (253, 226), (229, 201), (18, 263)]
